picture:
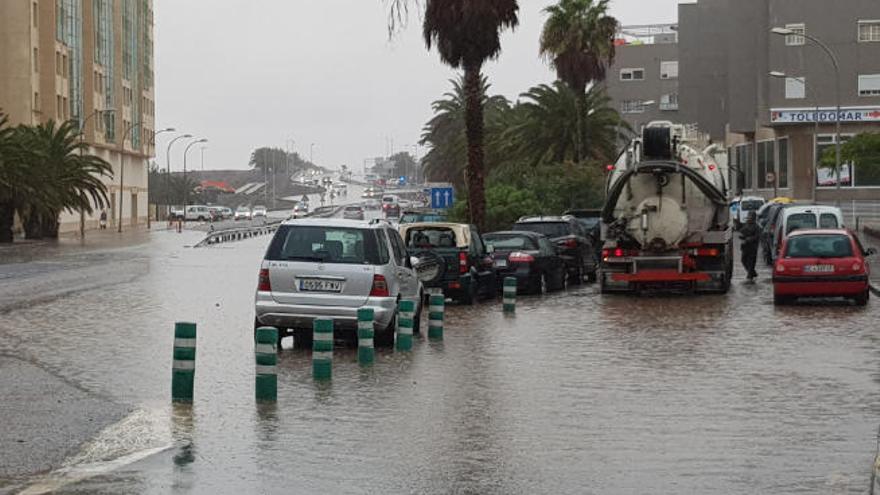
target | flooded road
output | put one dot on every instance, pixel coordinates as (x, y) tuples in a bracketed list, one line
[(577, 393)]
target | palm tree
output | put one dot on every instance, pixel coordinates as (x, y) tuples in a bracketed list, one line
[(545, 130), (578, 40), (466, 34), (71, 179), (12, 178), (446, 136)]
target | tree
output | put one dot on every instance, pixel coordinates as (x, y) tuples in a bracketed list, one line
[(12, 178), (863, 151), (467, 33), (404, 164), (71, 180), (578, 41)]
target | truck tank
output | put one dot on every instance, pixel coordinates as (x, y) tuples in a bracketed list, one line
[(665, 224)]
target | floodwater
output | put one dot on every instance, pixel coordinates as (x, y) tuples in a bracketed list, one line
[(576, 393)]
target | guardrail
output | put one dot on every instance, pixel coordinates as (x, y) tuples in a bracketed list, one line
[(242, 233)]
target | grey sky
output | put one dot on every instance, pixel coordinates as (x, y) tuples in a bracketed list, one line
[(247, 73)]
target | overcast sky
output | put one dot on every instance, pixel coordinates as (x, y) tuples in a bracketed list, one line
[(247, 73)]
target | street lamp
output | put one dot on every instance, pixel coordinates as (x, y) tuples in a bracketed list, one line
[(312, 154), (82, 137), (185, 188), (834, 62), (782, 75), (168, 172)]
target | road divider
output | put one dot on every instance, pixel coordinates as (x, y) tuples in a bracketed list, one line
[(509, 295), (366, 346), (266, 353), (183, 368), (322, 349), (406, 316), (436, 315)]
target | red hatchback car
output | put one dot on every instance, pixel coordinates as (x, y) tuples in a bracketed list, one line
[(822, 263)]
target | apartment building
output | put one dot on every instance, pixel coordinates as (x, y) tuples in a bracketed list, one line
[(773, 98), (90, 61), (643, 81)]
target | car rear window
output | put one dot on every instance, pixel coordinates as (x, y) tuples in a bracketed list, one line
[(819, 246), (550, 229), (828, 221), (430, 237), (324, 244), (417, 217), (352, 208), (510, 242), (800, 221), (751, 205)]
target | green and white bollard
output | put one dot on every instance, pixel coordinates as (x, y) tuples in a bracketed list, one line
[(183, 369), (436, 310), (509, 298), (405, 322), (266, 350), (366, 349), (322, 349)]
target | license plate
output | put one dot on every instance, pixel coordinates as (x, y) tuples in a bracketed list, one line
[(819, 269), (434, 291), (500, 263), (316, 285)]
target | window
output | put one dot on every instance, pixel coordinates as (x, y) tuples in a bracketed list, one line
[(57, 63), (632, 74), (398, 247), (766, 163), (36, 59), (795, 88), (869, 85), (324, 244), (744, 154), (58, 106), (782, 169), (826, 176), (65, 107), (869, 31), (669, 70), (64, 65), (632, 106), (796, 39), (828, 221), (36, 101), (669, 101), (35, 15)]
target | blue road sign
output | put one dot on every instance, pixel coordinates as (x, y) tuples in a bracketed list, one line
[(442, 197)]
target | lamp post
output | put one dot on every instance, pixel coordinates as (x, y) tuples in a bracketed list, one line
[(153, 144), (122, 170), (168, 172), (82, 137), (834, 62), (312, 154), (782, 75), (185, 188)]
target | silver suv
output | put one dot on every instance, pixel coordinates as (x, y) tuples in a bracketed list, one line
[(327, 268)]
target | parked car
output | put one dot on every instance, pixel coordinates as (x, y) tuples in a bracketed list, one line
[(198, 213), (741, 207), (259, 212), (372, 204), (466, 270), (391, 206), (353, 212), (300, 209), (575, 247), (822, 263), (175, 213), (771, 217), (422, 216), (220, 212), (242, 213), (796, 217), (330, 268), (529, 257)]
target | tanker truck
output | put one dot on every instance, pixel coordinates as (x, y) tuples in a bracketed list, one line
[(666, 221)]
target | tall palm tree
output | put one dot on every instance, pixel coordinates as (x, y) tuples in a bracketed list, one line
[(467, 33), (578, 41), (446, 136), (71, 179), (12, 178)]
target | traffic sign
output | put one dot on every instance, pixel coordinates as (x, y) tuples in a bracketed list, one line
[(442, 197), (771, 178)]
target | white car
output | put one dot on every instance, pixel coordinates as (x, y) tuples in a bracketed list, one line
[(197, 213), (259, 211), (242, 213)]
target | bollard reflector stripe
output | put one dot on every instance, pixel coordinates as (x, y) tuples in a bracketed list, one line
[(323, 337), (322, 356), (365, 325), (265, 369), (435, 323), (265, 349), (185, 343), (183, 365), (368, 343), (435, 309), (509, 301)]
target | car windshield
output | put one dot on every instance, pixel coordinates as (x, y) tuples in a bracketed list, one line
[(417, 217), (550, 229), (324, 244), (430, 237), (508, 242), (800, 221), (819, 246), (751, 205)]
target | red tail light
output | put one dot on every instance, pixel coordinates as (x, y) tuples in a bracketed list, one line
[(521, 258), (706, 252), (264, 284), (380, 287), (618, 253), (462, 262), (569, 243)]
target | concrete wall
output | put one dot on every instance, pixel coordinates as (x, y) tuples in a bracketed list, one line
[(16, 68)]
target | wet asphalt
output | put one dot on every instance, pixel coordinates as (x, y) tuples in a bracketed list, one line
[(576, 393)]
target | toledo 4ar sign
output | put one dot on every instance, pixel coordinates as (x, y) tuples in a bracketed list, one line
[(442, 197)]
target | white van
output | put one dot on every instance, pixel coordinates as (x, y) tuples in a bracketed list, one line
[(198, 213), (806, 217), (740, 209)]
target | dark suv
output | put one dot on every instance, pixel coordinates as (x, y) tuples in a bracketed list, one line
[(574, 244)]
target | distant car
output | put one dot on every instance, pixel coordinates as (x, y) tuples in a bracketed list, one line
[(353, 212), (242, 213), (220, 213), (741, 207), (391, 206), (175, 213), (822, 263), (326, 268), (767, 221), (529, 257), (467, 271), (259, 211), (300, 209), (372, 204), (575, 247), (422, 216), (197, 213)]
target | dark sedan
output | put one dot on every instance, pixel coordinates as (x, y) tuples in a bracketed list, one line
[(530, 257), (574, 245)]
